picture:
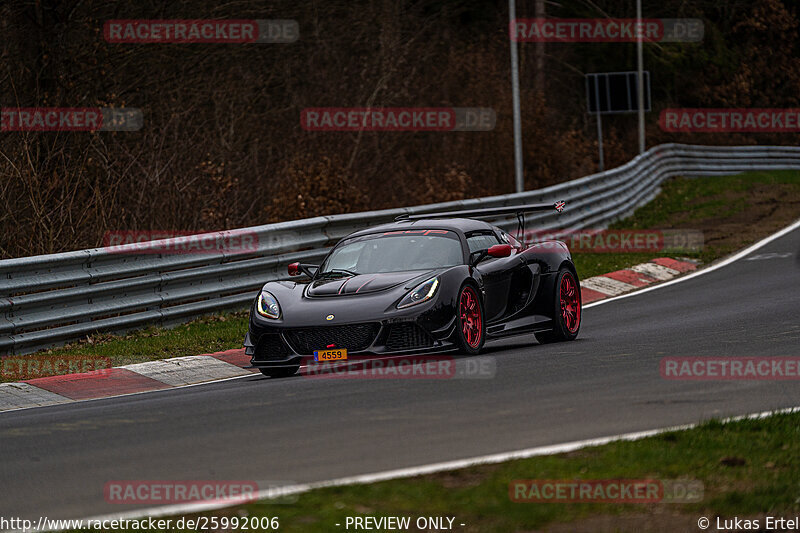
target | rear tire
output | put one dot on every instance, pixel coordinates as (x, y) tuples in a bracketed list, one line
[(470, 326), (280, 371), (566, 309)]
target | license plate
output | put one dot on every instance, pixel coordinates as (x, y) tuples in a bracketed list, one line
[(337, 354)]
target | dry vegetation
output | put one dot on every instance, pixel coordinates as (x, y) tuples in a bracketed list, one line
[(222, 145)]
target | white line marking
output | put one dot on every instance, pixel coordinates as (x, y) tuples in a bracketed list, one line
[(774, 255), (424, 469), (711, 268)]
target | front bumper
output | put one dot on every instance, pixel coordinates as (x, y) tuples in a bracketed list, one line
[(271, 346)]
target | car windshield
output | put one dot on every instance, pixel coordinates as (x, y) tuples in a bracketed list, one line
[(395, 252)]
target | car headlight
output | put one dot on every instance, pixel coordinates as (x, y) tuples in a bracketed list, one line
[(421, 293), (267, 305)]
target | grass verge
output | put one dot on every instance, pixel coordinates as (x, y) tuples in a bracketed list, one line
[(748, 469), (205, 335), (731, 211)]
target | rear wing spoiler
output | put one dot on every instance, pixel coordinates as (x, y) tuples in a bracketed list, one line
[(518, 210)]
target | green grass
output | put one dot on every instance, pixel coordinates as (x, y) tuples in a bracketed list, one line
[(706, 204), (709, 204), (747, 468), (205, 335), (699, 199)]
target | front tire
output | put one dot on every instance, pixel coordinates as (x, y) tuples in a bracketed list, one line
[(566, 309), (280, 371), (471, 329)]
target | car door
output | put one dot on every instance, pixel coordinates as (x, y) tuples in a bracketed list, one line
[(495, 274)]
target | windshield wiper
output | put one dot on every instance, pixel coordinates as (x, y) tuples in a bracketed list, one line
[(340, 271)]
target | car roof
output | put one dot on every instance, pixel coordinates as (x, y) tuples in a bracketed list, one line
[(462, 225)]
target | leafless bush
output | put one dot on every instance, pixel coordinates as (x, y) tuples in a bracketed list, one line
[(222, 145)]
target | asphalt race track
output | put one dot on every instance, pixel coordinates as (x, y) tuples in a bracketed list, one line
[(56, 460)]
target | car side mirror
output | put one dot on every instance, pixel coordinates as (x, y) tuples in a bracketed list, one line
[(499, 250), (295, 269)]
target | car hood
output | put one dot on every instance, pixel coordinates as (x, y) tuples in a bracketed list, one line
[(365, 283)]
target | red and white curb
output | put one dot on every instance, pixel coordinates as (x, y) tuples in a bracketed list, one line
[(630, 279), (195, 369), (128, 379)]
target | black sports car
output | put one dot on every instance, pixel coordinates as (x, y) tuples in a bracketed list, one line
[(421, 284)]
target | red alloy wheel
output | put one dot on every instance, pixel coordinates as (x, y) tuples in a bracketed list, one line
[(570, 303), (470, 312)]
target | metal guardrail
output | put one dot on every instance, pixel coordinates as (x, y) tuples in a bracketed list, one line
[(49, 300)]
